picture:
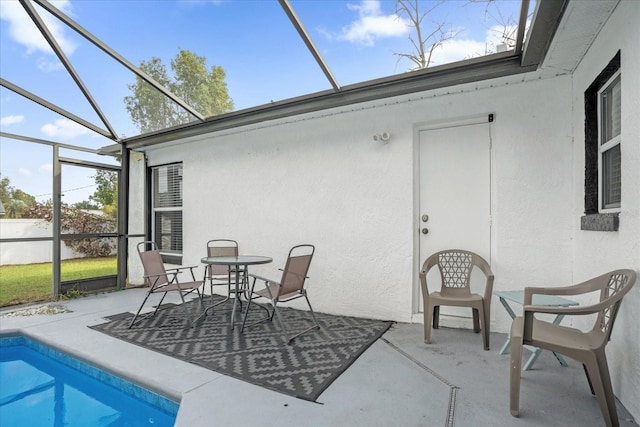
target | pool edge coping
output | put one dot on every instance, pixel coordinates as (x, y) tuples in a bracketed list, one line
[(136, 381)]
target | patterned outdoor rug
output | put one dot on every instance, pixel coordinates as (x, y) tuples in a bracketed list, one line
[(260, 355)]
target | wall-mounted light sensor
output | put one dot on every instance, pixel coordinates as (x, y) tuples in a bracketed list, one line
[(383, 137)]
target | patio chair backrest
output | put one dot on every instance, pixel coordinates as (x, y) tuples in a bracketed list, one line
[(296, 269), (613, 286), (455, 266), (152, 263), (221, 247)]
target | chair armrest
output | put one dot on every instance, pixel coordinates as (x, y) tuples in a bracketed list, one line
[(577, 310), (187, 267), (264, 279), (568, 311), (579, 289), (178, 269), (149, 276), (528, 312), (171, 277)]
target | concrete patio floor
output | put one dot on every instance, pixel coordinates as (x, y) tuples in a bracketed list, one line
[(398, 381)]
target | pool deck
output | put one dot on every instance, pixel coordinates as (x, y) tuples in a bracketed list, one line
[(398, 381)]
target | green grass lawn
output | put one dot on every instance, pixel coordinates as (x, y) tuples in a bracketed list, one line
[(21, 284)]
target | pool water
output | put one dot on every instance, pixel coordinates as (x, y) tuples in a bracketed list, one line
[(40, 386)]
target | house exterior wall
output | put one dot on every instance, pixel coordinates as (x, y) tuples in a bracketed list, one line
[(320, 178), (597, 252)]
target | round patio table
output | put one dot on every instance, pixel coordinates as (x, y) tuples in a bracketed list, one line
[(236, 261)]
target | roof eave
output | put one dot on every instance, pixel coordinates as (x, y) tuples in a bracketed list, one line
[(473, 70)]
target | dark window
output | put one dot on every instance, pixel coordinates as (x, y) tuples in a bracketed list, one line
[(603, 195)]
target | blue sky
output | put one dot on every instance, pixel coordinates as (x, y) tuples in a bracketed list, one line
[(253, 41)]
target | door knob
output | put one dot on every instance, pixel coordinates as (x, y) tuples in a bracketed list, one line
[(425, 231), (425, 218)]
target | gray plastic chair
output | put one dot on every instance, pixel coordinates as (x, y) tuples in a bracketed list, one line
[(289, 288), (161, 280), (455, 267), (587, 348)]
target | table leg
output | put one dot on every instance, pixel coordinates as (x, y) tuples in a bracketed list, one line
[(507, 343), (204, 286), (235, 300), (532, 359)]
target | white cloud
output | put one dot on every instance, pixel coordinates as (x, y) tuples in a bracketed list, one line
[(371, 24), (64, 129), (46, 65), (456, 50), (24, 31), (24, 172), (11, 120), (46, 168)]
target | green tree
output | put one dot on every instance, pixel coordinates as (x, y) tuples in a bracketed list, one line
[(28, 199), (5, 190), (15, 201), (15, 209), (106, 194), (203, 89), (86, 205)]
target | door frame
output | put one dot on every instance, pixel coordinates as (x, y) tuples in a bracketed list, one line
[(93, 283), (480, 118)]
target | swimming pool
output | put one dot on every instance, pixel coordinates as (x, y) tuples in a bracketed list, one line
[(40, 386)]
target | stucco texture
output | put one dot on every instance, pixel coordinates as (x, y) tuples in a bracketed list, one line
[(321, 178), (597, 252)]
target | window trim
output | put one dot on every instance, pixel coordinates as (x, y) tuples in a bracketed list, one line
[(606, 146)]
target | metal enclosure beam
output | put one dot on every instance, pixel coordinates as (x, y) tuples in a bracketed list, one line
[(56, 221), (35, 98), (112, 53), (522, 23), (39, 23), (45, 142), (293, 17)]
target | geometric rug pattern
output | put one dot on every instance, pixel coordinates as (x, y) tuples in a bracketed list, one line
[(260, 355)]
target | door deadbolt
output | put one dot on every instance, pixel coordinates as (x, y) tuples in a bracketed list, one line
[(425, 231), (425, 218)]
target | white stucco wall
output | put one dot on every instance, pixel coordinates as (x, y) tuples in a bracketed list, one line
[(322, 179), (319, 178), (598, 252)]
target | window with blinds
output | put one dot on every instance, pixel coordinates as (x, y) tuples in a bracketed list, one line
[(167, 210)]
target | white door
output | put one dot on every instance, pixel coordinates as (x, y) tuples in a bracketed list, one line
[(455, 197)]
